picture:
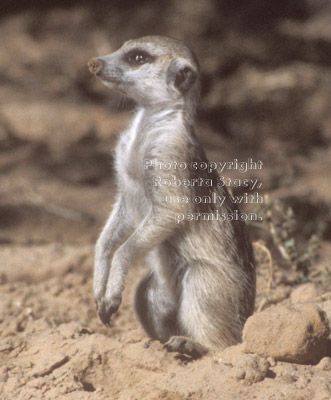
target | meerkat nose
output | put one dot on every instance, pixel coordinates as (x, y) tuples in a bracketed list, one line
[(95, 66)]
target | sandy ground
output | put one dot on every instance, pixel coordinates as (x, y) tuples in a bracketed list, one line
[(57, 128)]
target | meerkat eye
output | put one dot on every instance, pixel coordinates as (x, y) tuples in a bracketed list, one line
[(138, 57)]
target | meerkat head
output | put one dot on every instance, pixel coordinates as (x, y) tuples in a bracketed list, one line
[(151, 70)]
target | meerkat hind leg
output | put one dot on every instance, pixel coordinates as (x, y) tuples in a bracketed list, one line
[(158, 316), (156, 309), (185, 345)]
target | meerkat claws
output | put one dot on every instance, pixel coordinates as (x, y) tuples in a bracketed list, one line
[(106, 311), (184, 345)]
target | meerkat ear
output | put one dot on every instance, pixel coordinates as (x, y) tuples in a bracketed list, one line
[(182, 78), (185, 78)]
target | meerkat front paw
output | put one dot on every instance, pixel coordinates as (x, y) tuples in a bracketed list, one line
[(107, 309), (184, 345)]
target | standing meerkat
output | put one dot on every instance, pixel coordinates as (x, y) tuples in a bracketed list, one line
[(201, 285)]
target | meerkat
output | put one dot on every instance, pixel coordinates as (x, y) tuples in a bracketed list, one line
[(200, 288)]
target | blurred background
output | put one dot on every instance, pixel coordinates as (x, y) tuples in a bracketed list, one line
[(266, 94)]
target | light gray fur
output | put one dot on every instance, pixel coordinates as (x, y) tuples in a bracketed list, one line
[(201, 283)]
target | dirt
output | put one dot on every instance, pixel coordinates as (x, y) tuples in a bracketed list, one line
[(266, 95)]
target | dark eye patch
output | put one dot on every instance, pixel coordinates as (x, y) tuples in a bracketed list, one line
[(138, 57)]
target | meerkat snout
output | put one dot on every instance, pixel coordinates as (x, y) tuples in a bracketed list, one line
[(95, 65)]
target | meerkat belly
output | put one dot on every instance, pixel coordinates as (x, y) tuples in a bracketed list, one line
[(136, 202)]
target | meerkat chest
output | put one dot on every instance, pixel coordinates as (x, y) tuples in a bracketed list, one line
[(129, 168), (127, 161), (148, 136)]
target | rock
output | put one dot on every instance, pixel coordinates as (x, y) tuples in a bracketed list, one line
[(326, 306), (304, 293), (294, 334), (271, 361), (325, 364), (321, 393), (247, 367)]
